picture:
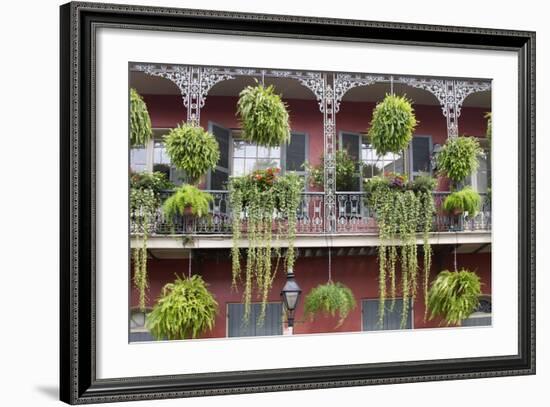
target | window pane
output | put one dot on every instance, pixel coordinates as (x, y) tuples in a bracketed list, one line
[(239, 148), (350, 143), (296, 153), (238, 167), (421, 154), (138, 159), (263, 152)]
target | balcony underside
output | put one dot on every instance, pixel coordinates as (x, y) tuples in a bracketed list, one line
[(212, 241)]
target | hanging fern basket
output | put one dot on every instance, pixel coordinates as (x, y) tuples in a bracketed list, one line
[(454, 296), (330, 299), (192, 149), (140, 123), (185, 309), (392, 125), (264, 116), (458, 158)]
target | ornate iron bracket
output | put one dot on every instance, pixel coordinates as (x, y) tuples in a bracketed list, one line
[(450, 94)]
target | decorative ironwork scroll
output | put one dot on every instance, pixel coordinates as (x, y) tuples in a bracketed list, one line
[(450, 94)]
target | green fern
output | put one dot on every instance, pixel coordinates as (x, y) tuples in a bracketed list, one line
[(187, 196), (465, 200), (454, 296), (264, 116), (392, 125), (185, 309), (140, 123), (192, 149), (330, 298), (458, 158)]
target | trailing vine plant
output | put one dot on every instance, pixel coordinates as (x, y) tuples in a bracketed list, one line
[(140, 121), (269, 203), (402, 209), (145, 191)]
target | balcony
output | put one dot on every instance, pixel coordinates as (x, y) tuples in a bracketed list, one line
[(353, 217)]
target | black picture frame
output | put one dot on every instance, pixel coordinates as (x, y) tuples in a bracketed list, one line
[(78, 382)]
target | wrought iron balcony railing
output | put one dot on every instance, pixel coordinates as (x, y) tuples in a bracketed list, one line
[(353, 216)]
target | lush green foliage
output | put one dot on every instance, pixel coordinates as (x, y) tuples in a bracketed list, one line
[(192, 149), (270, 203), (156, 181), (392, 125), (185, 309), (264, 116), (140, 122), (489, 131), (346, 172), (330, 298), (143, 205), (454, 295), (465, 200), (458, 158), (187, 196), (402, 208)]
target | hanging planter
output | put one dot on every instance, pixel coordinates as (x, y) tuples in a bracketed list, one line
[(458, 158), (270, 203), (401, 208), (185, 309), (192, 149), (392, 125), (454, 296), (140, 122), (464, 201), (264, 116), (330, 299), (187, 200)]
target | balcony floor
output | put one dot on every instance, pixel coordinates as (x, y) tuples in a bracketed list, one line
[(213, 241)]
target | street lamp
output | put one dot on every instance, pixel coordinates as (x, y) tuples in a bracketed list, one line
[(290, 294)]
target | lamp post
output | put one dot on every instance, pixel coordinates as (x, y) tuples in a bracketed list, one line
[(290, 294)]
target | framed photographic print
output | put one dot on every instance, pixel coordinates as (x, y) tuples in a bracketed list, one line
[(257, 203)]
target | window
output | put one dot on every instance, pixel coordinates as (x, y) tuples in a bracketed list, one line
[(482, 315), (480, 180), (296, 153), (392, 318), (273, 324), (138, 331), (138, 159), (374, 164), (420, 152), (248, 157)]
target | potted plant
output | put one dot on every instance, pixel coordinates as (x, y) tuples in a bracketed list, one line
[(330, 298), (192, 149), (453, 296), (346, 172), (270, 202), (185, 309), (140, 122), (187, 200), (464, 201), (458, 158), (392, 125), (264, 116)]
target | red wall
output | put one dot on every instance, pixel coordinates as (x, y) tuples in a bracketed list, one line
[(168, 111), (360, 273)]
